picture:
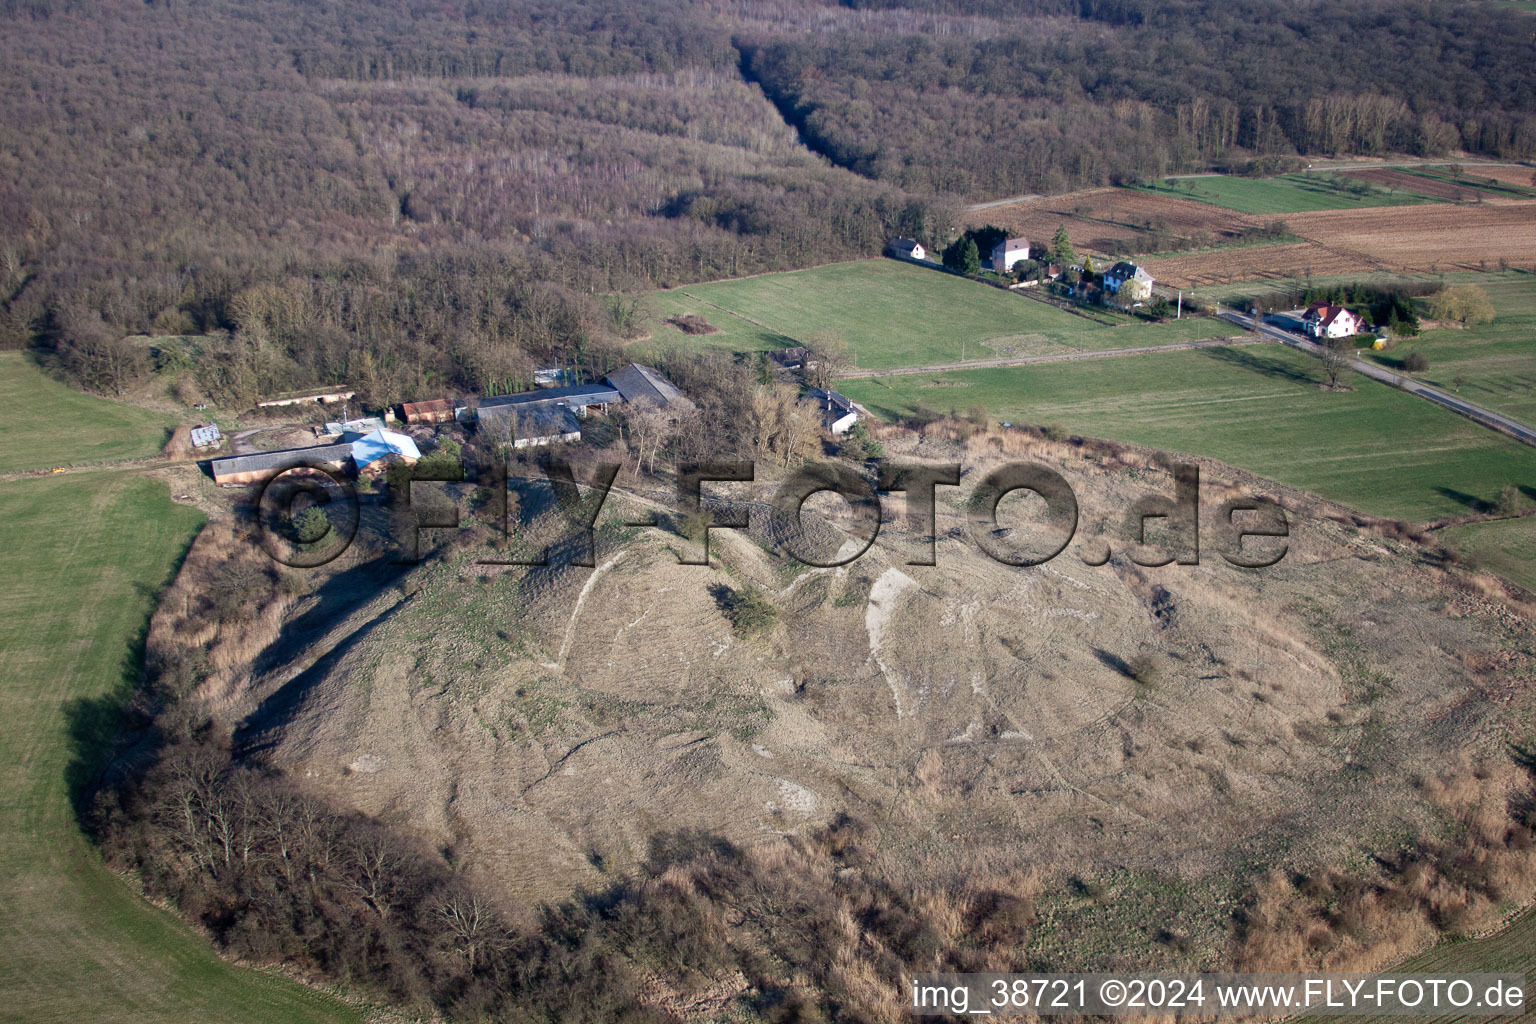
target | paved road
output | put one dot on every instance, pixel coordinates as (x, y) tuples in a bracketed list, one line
[(1476, 413), (1056, 357)]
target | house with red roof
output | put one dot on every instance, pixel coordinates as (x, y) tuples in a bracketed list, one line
[(1326, 320)]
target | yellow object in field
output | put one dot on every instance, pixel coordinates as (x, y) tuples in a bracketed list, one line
[(57, 469), (1379, 344)]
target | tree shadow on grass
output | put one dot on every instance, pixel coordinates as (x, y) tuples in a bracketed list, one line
[(110, 734), (1471, 501), (1263, 365)]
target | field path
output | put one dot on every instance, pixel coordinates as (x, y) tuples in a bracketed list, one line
[(1060, 357)]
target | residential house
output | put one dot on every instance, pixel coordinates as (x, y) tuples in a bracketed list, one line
[(1008, 252), (907, 248), (1325, 320), (262, 466), (643, 384), (1130, 278), (373, 453), (837, 412)]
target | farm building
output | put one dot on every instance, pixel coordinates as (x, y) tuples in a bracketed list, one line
[(1130, 278), (438, 410), (350, 430), (301, 397), (249, 469), (1325, 320), (373, 453), (541, 424), (636, 383), (207, 437), (1008, 252), (788, 358), (837, 412), (909, 248), (578, 399)]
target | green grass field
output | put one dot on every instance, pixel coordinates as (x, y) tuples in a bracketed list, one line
[(1289, 193), (894, 314), (1504, 546), (1491, 364), (49, 424), (84, 555), (1377, 449)]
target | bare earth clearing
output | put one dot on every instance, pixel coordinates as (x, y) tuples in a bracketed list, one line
[(1098, 217), (1182, 729), (1394, 238), (1300, 259)]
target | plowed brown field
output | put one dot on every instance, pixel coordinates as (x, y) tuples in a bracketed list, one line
[(1446, 236), (1425, 237), (1258, 263), (1388, 177), (1098, 217)]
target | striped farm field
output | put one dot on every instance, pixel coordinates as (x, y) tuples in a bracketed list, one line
[(1260, 408)]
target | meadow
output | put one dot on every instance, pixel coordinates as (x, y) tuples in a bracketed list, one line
[(86, 554), (1503, 546), (1289, 193), (51, 424), (1492, 364), (1260, 408), (893, 314)]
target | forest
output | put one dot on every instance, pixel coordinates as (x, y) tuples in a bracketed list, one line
[(412, 197)]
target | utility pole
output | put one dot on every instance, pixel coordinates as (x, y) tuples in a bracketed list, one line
[(1180, 314)]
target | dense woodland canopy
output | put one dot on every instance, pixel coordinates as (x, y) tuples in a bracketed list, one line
[(414, 197)]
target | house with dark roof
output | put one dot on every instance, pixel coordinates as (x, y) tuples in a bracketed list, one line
[(1127, 276), (907, 248), (788, 358), (1326, 320), (837, 412), (261, 466), (646, 386)]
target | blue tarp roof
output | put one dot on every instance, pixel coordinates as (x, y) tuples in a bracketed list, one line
[(381, 443)]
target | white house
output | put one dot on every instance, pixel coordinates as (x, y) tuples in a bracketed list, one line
[(1325, 320), (1008, 252), (910, 248), (1136, 282), (837, 412)]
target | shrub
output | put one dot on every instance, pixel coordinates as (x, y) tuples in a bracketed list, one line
[(748, 611), (1416, 362)]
